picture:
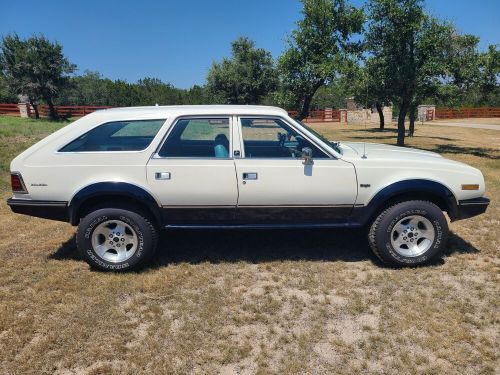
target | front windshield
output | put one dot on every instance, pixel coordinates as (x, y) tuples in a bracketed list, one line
[(335, 145)]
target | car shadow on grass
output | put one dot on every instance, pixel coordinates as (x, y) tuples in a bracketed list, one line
[(483, 152), (261, 246), (385, 137)]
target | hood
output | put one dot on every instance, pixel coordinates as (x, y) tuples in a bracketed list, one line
[(355, 150)]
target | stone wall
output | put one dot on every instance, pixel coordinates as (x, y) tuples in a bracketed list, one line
[(426, 112), (366, 115)]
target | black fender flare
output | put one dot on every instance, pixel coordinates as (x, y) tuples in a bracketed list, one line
[(112, 188), (413, 186)]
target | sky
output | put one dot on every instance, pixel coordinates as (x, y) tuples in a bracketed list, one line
[(177, 41)]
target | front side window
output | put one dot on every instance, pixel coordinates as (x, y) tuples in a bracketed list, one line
[(273, 138), (198, 137), (133, 135)]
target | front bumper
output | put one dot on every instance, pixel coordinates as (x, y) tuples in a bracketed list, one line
[(53, 210), (471, 207)]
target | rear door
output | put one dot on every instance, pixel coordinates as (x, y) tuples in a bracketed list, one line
[(275, 187), (193, 172)]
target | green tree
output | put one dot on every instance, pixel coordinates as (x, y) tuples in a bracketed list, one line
[(333, 95), (14, 64), (489, 76), (5, 94), (197, 95), (411, 47), (35, 67), (246, 77), (87, 89), (370, 88), (153, 91), (318, 50)]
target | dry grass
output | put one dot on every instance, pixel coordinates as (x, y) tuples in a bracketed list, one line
[(258, 302), (483, 121)]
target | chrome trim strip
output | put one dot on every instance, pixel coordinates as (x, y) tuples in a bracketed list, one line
[(31, 202), (265, 206), (198, 206), (297, 206)]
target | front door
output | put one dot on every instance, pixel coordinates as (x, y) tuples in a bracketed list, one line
[(275, 187), (193, 172)]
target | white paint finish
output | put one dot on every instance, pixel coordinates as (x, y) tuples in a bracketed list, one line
[(289, 182), (385, 165), (209, 181), (214, 181)]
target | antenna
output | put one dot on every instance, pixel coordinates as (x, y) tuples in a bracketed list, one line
[(364, 119)]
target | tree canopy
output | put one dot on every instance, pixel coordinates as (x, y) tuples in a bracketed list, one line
[(409, 47), (318, 50), (389, 52), (35, 67), (246, 77)]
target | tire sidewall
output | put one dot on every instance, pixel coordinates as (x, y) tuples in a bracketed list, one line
[(398, 212), (138, 224)]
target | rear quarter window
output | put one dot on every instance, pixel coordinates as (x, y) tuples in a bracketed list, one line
[(133, 135)]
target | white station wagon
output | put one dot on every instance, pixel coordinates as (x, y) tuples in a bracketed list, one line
[(123, 174)]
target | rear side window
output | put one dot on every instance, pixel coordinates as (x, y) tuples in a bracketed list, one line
[(198, 137), (117, 136)]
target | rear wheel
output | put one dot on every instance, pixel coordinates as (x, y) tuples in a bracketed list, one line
[(116, 239), (409, 233)]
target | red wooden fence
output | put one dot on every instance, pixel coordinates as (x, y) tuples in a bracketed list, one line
[(9, 109), (69, 110), (449, 113), (320, 115), (62, 110)]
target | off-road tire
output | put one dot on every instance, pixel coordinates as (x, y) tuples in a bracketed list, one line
[(146, 234), (382, 227)]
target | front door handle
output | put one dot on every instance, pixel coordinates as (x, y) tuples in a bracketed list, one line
[(250, 176)]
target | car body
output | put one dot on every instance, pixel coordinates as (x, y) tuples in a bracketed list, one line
[(233, 167)]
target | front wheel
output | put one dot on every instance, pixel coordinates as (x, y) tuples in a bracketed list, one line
[(113, 239), (409, 233)]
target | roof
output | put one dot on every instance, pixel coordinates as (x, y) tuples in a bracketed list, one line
[(184, 110)]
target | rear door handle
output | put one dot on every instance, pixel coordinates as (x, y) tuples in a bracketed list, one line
[(162, 175), (250, 176)]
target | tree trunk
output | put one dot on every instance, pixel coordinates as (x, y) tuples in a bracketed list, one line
[(380, 115), (304, 110), (52, 110), (35, 108), (403, 109), (412, 116), (308, 97)]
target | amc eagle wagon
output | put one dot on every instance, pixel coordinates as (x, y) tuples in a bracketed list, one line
[(121, 175)]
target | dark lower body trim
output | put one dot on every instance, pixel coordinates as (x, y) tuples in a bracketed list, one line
[(262, 226), (53, 210), (472, 207), (252, 216)]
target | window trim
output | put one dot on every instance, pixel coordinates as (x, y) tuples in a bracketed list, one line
[(156, 154), (59, 148), (328, 153)]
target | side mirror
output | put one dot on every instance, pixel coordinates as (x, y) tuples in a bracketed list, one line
[(307, 156)]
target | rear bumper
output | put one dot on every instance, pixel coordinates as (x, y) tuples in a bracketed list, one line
[(53, 210), (471, 207)]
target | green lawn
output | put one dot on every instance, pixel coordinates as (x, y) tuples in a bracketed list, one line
[(16, 135)]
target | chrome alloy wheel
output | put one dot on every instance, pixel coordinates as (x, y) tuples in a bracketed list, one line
[(412, 236), (114, 241)]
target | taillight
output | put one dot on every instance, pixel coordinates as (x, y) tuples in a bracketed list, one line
[(17, 183)]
